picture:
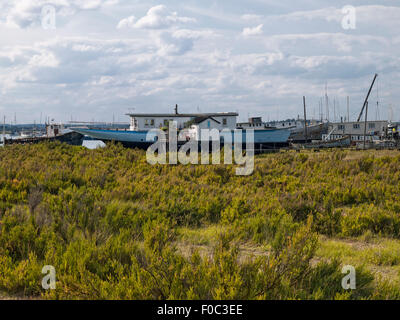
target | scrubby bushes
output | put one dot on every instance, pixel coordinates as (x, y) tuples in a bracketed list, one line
[(107, 221)]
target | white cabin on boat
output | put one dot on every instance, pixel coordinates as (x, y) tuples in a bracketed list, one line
[(54, 129), (148, 121), (208, 122)]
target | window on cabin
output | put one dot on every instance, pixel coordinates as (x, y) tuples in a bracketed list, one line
[(356, 126), (224, 121), (146, 122), (152, 122), (371, 125), (341, 127)]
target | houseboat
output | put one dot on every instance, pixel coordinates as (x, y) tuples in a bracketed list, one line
[(54, 132), (188, 126), (315, 128)]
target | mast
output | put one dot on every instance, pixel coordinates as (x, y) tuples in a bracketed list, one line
[(334, 109), (305, 119), (4, 130), (319, 109), (365, 124), (322, 108), (327, 101), (348, 109), (366, 99), (377, 116)]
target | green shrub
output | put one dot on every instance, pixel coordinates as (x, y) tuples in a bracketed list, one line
[(107, 220)]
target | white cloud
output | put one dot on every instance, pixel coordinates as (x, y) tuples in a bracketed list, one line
[(91, 69), (378, 15), (328, 14), (180, 41), (253, 31), (251, 17), (43, 59), (341, 42), (127, 23), (158, 17)]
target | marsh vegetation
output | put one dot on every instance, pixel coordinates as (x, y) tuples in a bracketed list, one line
[(115, 227)]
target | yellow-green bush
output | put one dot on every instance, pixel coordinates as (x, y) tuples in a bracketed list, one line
[(106, 220)]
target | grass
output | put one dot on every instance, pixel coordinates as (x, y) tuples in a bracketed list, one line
[(200, 236), (204, 240), (381, 256)]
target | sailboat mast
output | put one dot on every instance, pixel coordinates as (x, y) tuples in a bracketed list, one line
[(326, 101), (334, 109), (4, 130), (305, 119), (377, 101), (365, 123)]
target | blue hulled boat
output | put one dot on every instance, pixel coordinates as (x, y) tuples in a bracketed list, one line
[(189, 126), (263, 139)]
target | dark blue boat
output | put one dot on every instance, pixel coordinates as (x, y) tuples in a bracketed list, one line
[(263, 139)]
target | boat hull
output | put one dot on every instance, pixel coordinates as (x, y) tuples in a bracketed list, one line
[(263, 139), (313, 133), (72, 138), (339, 143)]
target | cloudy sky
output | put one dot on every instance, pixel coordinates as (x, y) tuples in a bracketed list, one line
[(257, 57)]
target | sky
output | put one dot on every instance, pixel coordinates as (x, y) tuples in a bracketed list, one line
[(95, 60)]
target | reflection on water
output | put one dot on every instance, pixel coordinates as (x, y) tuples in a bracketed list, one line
[(93, 144)]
